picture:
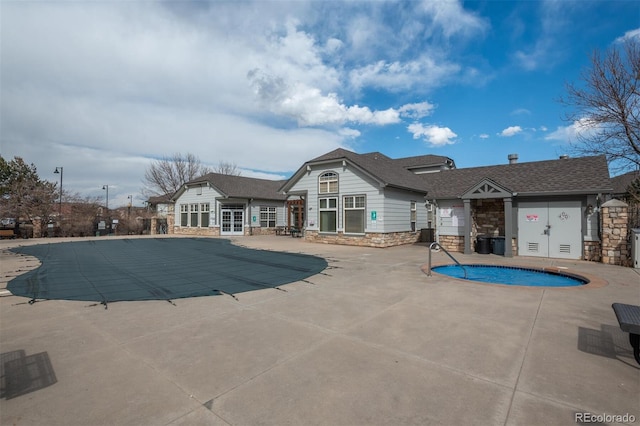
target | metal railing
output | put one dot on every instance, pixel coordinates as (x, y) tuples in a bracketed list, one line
[(433, 245)]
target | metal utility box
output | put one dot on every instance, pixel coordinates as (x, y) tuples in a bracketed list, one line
[(635, 248)]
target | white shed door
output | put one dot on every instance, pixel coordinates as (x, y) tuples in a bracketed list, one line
[(550, 229)]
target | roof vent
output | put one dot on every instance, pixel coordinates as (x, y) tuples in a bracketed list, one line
[(513, 158), (564, 156)]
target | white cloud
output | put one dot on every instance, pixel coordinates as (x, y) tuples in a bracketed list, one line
[(579, 128), (452, 18), (520, 111), (424, 72), (417, 110), (551, 42), (510, 131), (309, 107), (629, 35), (433, 135), (484, 136), (101, 88)]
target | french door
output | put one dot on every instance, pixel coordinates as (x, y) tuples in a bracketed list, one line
[(232, 222)]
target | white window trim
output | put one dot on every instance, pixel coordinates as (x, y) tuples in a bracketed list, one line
[(331, 177), (326, 209), (363, 209), (267, 211)]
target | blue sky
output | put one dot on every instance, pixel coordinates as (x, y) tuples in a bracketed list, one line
[(104, 88)]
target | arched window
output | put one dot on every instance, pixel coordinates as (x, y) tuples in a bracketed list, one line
[(328, 183)]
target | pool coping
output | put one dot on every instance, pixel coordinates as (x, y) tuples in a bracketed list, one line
[(593, 280)]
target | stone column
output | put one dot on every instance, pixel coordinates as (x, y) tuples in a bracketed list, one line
[(467, 226), (614, 221), (508, 227)]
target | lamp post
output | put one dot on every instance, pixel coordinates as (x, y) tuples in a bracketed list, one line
[(130, 197), (60, 170), (106, 187)]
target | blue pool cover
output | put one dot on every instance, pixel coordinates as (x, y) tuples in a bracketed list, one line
[(155, 269)]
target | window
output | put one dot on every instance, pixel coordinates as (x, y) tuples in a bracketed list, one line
[(414, 214), (194, 215), (354, 208), (328, 214), (268, 217), (204, 215), (328, 183), (184, 214)]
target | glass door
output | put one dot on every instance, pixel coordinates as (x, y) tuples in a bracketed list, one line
[(232, 222)]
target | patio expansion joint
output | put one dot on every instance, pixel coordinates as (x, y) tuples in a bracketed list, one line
[(211, 402), (423, 360), (524, 357)]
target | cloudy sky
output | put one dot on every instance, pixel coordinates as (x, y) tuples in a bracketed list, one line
[(102, 88)]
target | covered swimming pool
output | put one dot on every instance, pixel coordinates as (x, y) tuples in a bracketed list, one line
[(155, 269)]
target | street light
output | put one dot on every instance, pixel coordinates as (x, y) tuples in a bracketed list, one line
[(106, 187), (60, 170), (130, 197)]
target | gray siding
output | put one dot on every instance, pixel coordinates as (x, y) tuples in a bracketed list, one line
[(450, 217), (391, 206), (397, 210), (204, 194), (350, 182), (254, 211)]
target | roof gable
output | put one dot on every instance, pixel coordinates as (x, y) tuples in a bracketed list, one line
[(487, 188), (378, 166)]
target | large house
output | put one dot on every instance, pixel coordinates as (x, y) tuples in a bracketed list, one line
[(543, 208)]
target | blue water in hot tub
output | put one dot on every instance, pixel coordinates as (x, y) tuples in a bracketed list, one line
[(510, 275)]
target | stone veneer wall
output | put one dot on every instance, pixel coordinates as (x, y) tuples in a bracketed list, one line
[(488, 218), (369, 239), (258, 230), (614, 220), (214, 231), (592, 251), (453, 243), (200, 232), (171, 222)]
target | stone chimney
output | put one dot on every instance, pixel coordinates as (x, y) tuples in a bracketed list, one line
[(513, 158)]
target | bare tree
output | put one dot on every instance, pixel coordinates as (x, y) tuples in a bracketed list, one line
[(606, 106), (167, 175), (227, 168), (79, 216)]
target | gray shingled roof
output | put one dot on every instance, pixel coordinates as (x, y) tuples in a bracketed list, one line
[(423, 160), (621, 183), (243, 187), (387, 170), (160, 199), (570, 175)]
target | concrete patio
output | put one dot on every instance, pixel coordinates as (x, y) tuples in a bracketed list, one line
[(371, 340)]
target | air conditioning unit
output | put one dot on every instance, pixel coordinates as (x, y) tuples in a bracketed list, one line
[(635, 248)]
